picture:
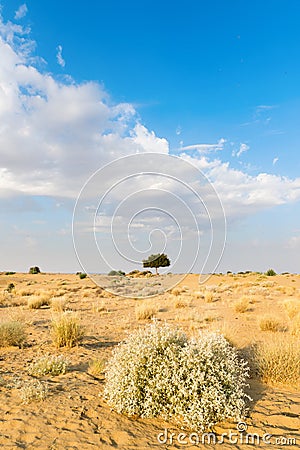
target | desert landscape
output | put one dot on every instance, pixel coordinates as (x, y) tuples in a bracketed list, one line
[(258, 314)]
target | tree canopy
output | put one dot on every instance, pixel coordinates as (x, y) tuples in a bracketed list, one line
[(158, 260)]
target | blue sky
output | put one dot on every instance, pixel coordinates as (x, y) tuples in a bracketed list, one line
[(215, 83)]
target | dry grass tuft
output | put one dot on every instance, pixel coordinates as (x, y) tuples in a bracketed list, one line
[(292, 307), (278, 360), (242, 305), (270, 323), (182, 302), (145, 311), (67, 330), (295, 329), (96, 368), (12, 332), (209, 296), (38, 301), (176, 291), (58, 304)]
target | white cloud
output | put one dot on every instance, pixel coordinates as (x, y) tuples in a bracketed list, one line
[(147, 141), (243, 148), (205, 148), (21, 11), (53, 135), (243, 194), (275, 160), (59, 57)]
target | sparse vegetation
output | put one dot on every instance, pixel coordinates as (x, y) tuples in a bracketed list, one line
[(115, 273), (12, 332), (82, 276), (157, 371), (67, 330)]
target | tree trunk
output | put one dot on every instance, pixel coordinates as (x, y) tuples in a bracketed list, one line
[(156, 270)]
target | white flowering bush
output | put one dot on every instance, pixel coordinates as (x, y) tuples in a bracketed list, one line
[(158, 371), (48, 364)]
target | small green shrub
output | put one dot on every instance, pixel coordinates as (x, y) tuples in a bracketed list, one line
[(158, 371), (12, 333), (34, 270), (10, 273), (271, 273), (49, 364), (67, 330), (82, 276)]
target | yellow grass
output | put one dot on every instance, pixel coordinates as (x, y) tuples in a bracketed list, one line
[(145, 311), (67, 330), (242, 305), (278, 360), (270, 323)]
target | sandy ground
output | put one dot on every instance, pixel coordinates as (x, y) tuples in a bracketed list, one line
[(75, 416)]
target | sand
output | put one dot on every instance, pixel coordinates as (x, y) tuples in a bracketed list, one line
[(74, 415)]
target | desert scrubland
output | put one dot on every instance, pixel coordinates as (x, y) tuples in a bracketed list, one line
[(51, 384)]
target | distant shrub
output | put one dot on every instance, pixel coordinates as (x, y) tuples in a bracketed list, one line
[(271, 273), (49, 364), (34, 270), (158, 371), (12, 333), (10, 287), (114, 273), (67, 330), (9, 273), (82, 276)]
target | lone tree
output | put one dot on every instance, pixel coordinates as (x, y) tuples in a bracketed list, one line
[(159, 260)]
